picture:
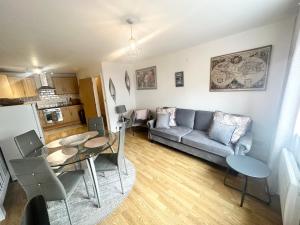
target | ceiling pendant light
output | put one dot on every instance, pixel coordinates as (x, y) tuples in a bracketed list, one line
[(133, 50)]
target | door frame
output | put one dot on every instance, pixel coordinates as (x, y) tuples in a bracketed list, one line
[(101, 79)]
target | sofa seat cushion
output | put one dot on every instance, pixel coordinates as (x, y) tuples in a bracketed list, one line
[(199, 139), (173, 133)]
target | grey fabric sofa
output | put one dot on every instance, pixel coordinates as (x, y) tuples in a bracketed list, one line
[(191, 136)]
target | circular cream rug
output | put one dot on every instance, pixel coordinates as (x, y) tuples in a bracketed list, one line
[(83, 210)]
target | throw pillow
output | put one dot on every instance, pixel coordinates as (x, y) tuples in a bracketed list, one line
[(162, 120), (221, 132), (241, 123), (141, 114), (171, 111)]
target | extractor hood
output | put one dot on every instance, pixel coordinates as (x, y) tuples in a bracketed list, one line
[(44, 83)]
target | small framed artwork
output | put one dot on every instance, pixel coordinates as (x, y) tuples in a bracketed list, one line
[(179, 79), (146, 78)]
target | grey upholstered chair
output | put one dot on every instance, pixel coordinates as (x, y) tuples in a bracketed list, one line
[(35, 212), (29, 143), (135, 122), (113, 161), (37, 178), (96, 124)]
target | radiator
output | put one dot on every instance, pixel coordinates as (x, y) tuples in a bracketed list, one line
[(289, 188)]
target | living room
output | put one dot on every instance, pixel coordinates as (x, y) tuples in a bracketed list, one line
[(199, 104)]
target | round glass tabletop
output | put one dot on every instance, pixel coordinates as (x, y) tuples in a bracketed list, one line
[(62, 156), (248, 166)]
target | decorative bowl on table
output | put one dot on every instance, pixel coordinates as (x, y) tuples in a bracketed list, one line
[(74, 140), (60, 156)]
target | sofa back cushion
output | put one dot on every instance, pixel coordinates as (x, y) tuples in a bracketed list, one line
[(242, 123), (203, 120), (185, 117)]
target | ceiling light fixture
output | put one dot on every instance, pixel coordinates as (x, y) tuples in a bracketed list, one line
[(133, 50)]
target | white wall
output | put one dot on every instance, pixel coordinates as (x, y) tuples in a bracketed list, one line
[(262, 106), (116, 71)]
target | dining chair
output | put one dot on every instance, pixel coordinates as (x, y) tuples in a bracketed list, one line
[(37, 178), (35, 212), (96, 124), (29, 144), (139, 118), (113, 161)]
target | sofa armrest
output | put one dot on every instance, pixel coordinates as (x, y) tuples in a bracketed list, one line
[(243, 146), (150, 124)]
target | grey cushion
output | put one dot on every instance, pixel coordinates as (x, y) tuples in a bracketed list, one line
[(199, 139), (221, 132), (162, 120), (185, 117), (173, 133), (203, 120)]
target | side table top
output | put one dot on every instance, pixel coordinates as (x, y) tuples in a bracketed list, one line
[(248, 166)]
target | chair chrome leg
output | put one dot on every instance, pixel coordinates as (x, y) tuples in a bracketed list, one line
[(93, 173), (86, 187), (126, 171), (68, 211), (121, 180)]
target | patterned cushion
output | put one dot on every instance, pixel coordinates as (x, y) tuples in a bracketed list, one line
[(241, 123), (141, 114), (171, 111)]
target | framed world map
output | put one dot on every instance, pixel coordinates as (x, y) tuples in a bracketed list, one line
[(240, 71)]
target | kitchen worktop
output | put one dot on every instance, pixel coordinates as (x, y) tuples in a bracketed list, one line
[(57, 106)]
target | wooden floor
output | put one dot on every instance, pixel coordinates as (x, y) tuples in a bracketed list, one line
[(172, 188)]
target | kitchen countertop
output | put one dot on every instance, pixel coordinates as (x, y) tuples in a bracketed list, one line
[(57, 106)]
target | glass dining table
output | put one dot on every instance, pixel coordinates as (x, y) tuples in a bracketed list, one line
[(75, 149)]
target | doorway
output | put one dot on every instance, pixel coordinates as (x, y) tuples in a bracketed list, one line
[(92, 96)]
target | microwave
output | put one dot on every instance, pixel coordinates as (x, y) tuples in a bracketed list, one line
[(53, 115)]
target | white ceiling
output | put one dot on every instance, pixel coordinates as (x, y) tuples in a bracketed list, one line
[(67, 35)]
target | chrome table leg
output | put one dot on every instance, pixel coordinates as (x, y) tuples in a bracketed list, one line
[(92, 170)]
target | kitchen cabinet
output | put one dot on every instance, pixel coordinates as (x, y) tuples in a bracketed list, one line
[(22, 87), (30, 87), (66, 115), (5, 90), (42, 118), (65, 85), (17, 87), (74, 112)]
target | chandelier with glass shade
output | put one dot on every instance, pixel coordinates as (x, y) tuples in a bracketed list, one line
[(133, 49)]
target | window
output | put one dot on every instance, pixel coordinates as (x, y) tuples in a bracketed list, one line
[(297, 125), (296, 139)]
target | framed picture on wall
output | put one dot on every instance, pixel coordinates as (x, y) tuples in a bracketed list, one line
[(179, 79), (241, 71), (146, 78)]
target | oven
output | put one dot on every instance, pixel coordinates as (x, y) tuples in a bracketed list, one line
[(53, 115)]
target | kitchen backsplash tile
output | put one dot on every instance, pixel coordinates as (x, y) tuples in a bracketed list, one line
[(48, 98)]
